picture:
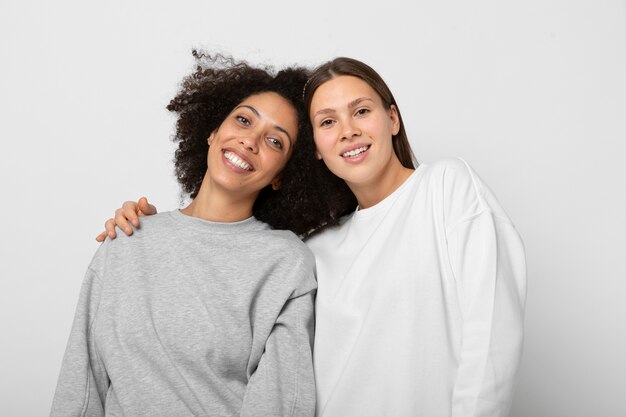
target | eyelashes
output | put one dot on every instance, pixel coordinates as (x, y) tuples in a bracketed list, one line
[(361, 112), (243, 120), (273, 141)]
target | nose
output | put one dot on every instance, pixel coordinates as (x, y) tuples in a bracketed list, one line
[(350, 130), (251, 142)]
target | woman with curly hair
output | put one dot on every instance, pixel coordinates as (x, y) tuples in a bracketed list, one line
[(208, 310)]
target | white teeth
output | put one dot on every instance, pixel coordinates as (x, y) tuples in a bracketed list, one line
[(238, 162), (354, 152)]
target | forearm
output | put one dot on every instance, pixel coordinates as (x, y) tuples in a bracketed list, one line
[(283, 383), (82, 383), (490, 268)]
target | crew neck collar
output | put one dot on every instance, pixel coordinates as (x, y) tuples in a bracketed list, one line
[(387, 201), (250, 224)]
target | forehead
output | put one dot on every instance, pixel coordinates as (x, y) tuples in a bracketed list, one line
[(341, 90)]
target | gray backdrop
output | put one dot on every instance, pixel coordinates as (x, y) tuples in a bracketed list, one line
[(531, 93)]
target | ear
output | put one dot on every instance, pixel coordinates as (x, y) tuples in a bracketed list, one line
[(276, 183), (395, 120), (318, 155), (210, 139)]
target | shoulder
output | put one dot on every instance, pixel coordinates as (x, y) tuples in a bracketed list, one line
[(456, 189), (294, 261), (152, 229), (286, 240), (156, 222), (453, 175), (328, 237), (464, 194), (452, 172)]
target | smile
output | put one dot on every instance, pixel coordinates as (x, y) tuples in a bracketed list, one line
[(236, 161), (355, 152)]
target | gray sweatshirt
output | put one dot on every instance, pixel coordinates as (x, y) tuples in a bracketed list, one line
[(193, 318)]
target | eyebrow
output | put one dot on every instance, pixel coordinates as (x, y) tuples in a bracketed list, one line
[(256, 112), (356, 102), (351, 105)]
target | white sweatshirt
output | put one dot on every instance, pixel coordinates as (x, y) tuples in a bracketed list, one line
[(420, 302)]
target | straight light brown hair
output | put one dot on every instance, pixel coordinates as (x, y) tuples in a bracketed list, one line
[(352, 67)]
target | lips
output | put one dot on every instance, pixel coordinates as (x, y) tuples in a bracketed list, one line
[(237, 160), (354, 152)]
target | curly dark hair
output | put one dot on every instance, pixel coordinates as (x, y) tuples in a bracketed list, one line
[(310, 197)]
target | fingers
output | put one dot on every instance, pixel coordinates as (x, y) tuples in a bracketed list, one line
[(109, 227), (123, 216), (101, 237), (146, 208), (109, 231), (128, 213)]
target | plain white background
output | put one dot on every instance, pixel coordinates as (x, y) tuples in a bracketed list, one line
[(531, 93)]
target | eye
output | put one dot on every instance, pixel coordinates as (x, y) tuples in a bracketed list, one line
[(362, 112), (275, 142), (326, 122), (243, 120)]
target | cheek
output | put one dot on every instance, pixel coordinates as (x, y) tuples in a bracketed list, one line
[(389, 126), (212, 152), (275, 164), (380, 129), (323, 141)]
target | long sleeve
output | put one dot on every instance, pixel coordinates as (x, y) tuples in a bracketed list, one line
[(283, 383), (488, 262), (83, 382)]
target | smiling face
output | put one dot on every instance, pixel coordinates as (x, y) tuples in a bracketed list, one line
[(353, 130), (252, 145)]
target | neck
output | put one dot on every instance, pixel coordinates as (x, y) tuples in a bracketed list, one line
[(374, 191), (218, 205)]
